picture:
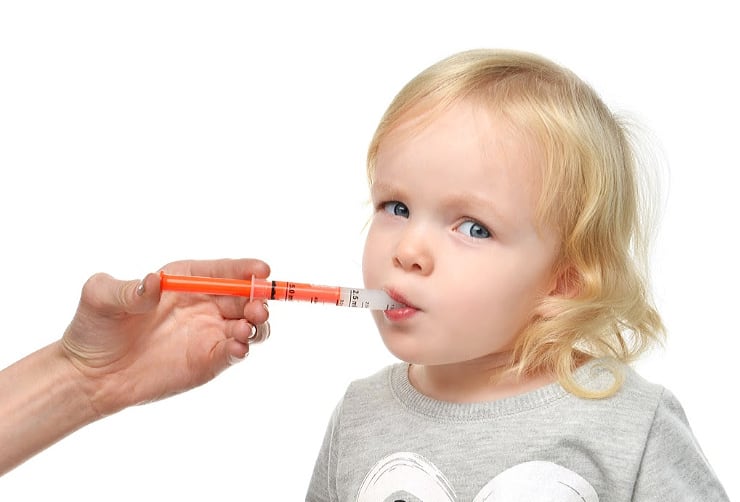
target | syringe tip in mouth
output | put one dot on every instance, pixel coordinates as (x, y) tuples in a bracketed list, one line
[(263, 289), (373, 299)]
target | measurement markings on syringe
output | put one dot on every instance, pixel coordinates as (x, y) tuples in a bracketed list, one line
[(354, 296)]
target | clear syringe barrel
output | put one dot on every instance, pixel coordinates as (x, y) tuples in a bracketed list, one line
[(264, 289), (373, 299)]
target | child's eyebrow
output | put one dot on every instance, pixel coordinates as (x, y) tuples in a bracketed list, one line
[(380, 188), (470, 202), (465, 202)]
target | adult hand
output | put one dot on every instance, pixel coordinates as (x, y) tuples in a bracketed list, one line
[(132, 344), (127, 344)]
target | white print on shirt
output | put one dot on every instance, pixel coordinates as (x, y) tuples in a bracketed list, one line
[(409, 477)]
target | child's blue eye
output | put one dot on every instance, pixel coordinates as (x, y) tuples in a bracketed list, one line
[(396, 208), (473, 229)]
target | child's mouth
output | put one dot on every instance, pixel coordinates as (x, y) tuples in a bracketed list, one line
[(407, 311)]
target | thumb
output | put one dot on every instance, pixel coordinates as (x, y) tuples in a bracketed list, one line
[(146, 294), (113, 296)]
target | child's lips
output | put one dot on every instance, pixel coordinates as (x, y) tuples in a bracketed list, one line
[(398, 297), (400, 313)]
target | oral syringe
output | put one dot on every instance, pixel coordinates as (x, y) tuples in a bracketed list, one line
[(265, 289)]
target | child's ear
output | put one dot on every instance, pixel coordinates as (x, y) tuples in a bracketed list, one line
[(566, 282)]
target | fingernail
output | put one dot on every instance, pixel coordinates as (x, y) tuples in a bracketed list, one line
[(233, 359), (267, 309), (260, 333), (140, 288)]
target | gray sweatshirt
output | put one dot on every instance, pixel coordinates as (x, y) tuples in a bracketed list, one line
[(386, 442)]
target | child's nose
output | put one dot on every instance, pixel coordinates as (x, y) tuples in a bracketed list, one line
[(414, 253)]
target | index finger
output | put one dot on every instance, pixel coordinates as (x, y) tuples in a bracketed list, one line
[(230, 307), (241, 268)]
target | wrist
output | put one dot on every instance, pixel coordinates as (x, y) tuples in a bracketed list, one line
[(79, 385), (43, 400), (96, 389)]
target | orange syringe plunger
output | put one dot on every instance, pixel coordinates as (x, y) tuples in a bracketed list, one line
[(264, 289)]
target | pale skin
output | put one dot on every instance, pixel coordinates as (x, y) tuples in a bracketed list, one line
[(454, 236), (127, 344)]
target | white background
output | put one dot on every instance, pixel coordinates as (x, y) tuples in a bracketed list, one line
[(136, 133)]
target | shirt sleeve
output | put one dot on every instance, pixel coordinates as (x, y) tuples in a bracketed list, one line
[(673, 466), (322, 487)]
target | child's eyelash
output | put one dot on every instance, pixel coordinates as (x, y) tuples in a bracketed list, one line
[(395, 208), (474, 229)]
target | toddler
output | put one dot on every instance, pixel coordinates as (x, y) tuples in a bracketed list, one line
[(508, 220)]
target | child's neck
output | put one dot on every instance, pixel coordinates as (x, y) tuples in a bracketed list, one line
[(472, 381)]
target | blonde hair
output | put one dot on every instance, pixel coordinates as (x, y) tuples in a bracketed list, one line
[(590, 193)]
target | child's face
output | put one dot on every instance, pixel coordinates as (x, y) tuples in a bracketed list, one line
[(454, 237)]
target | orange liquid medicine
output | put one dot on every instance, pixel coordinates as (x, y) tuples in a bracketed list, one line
[(265, 289)]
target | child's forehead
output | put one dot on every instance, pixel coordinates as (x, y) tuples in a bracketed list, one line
[(460, 120), (460, 142)]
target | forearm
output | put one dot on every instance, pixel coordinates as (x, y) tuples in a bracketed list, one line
[(41, 401)]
